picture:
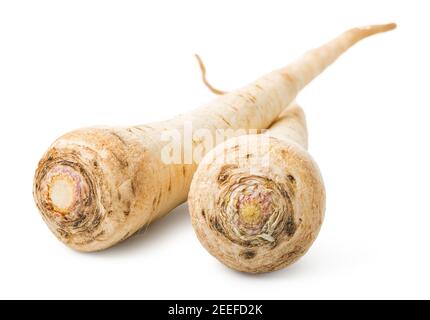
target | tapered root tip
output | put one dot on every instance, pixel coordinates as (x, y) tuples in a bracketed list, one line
[(390, 26), (378, 28)]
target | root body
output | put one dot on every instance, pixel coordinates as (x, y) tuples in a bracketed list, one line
[(97, 186), (261, 215)]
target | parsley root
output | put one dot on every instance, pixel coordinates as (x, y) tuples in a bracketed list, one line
[(257, 216), (97, 186)]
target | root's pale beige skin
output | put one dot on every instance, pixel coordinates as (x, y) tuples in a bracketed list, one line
[(257, 216), (97, 186)]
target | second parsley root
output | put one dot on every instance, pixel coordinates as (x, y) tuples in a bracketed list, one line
[(257, 215)]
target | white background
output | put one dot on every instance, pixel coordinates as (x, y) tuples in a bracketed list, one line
[(68, 64)]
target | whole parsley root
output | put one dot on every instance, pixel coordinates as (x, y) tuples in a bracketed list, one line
[(97, 186), (257, 215)]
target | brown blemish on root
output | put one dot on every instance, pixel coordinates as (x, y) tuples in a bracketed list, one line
[(77, 223), (133, 188), (116, 135), (224, 174), (247, 254), (125, 236), (96, 221), (85, 242), (139, 129), (204, 214), (156, 201), (123, 163), (170, 185), (296, 252), (290, 227), (286, 75), (291, 188), (291, 179), (64, 234), (235, 148), (216, 226), (128, 208), (98, 235), (286, 195), (225, 121), (287, 258), (159, 198)]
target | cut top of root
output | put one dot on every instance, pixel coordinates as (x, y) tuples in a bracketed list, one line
[(65, 189), (62, 194)]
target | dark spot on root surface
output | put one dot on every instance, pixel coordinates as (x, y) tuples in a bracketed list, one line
[(116, 135), (85, 242), (296, 252), (252, 99), (133, 188), (139, 128), (98, 235), (63, 233), (247, 254), (225, 121), (204, 214), (291, 179), (159, 198), (224, 173), (127, 208), (126, 236), (235, 148), (78, 223), (96, 221), (123, 163), (216, 226), (285, 194), (290, 227)]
